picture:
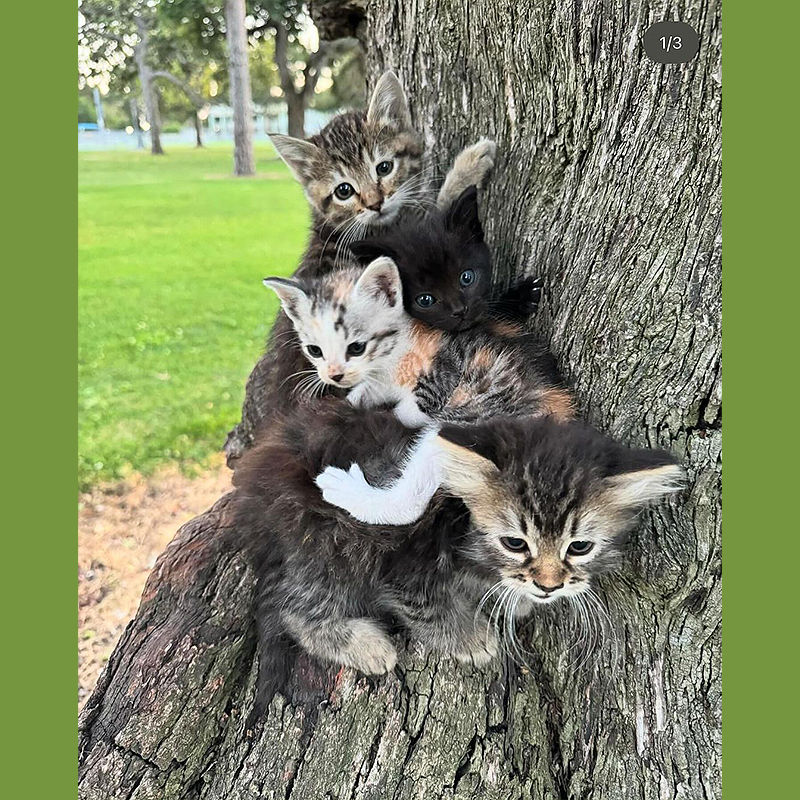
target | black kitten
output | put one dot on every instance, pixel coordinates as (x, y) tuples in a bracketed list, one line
[(446, 268)]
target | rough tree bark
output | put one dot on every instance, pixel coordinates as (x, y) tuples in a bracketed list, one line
[(241, 98), (608, 186)]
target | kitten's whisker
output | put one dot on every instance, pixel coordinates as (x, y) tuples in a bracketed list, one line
[(295, 374), (605, 621)]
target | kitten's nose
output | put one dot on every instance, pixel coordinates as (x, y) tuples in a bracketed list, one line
[(547, 589), (337, 377), (373, 201), (459, 311)]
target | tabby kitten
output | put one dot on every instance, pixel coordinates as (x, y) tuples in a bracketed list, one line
[(362, 173), (549, 504), (356, 333)]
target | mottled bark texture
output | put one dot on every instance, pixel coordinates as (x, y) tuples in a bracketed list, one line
[(608, 186)]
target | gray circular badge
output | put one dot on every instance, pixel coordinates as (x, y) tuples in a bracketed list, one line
[(671, 42)]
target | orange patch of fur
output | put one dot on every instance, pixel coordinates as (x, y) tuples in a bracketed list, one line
[(482, 359), (507, 329), (460, 397), (558, 402), (418, 361)]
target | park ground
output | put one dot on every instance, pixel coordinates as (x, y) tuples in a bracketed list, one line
[(172, 318)]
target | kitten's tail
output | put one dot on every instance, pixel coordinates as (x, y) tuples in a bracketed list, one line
[(276, 651), (519, 301)]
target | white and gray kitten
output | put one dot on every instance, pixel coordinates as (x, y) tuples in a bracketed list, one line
[(354, 330)]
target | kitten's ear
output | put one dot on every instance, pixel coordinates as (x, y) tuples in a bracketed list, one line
[(463, 214), (291, 294), (469, 456), (368, 250), (381, 281), (388, 102), (297, 154), (642, 476)]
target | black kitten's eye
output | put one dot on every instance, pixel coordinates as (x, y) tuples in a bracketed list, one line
[(513, 543), (356, 348), (579, 548), (343, 191), (467, 277), (425, 300), (384, 168), (314, 351)]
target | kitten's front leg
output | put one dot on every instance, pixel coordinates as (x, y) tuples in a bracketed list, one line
[(448, 622), (400, 504), (408, 412), (470, 168), (358, 396)]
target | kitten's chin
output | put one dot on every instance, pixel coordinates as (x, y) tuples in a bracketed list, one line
[(379, 219)]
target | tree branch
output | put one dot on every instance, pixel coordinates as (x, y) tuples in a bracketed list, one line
[(194, 96)]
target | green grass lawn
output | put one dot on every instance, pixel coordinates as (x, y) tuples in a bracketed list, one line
[(172, 313)]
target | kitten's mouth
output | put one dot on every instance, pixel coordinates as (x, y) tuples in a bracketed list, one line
[(544, 598), (377, 219), (343, 384)]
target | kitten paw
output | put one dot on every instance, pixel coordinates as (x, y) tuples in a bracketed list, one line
[(346, 489), (476, 162), (370, 650), (479, 648)]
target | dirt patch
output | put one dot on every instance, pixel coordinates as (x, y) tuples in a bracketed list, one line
[(122, 529)]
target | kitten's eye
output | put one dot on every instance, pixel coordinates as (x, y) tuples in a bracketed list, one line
[(467, 277), (514, 544), (356, 348), (314, 351), (580, 548), (343, 191), (384, 168), (425, 300)]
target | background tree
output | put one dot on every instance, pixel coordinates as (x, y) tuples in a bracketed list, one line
[(607, 185), (244, 162), (116, 32), (150, 41), (299, 66)]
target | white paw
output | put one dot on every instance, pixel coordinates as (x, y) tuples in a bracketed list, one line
[(346, 489)]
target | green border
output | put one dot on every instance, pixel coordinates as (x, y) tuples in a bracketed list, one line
[(760, 190), (39, 290)]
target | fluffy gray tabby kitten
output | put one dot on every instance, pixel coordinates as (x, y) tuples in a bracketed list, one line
[(549, 506), (361, 173)]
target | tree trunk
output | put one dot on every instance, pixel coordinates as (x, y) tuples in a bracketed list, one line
[(133, 107), (198, 129), (607, 185), (98, 108), (241, 98), (296, 114), (148, 88)]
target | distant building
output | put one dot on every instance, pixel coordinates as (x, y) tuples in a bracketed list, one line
[(266, 119)]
